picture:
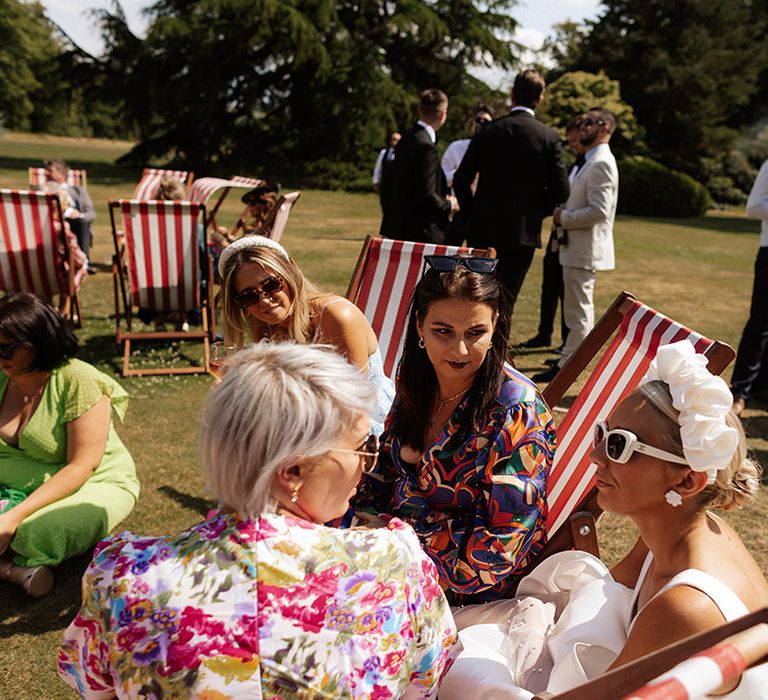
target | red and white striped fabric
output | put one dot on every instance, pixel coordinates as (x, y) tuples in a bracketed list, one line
[(28, 242), (618, 372), (695, 677), (146, 189), (162, 253), (282, 214), (390, 273), (38, 178), (243, 181), (203, 188)]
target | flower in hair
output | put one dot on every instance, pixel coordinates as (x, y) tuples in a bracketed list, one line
[(249, 242), (703, 401)]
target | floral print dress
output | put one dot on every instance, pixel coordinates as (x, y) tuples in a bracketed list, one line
[(271, 607)]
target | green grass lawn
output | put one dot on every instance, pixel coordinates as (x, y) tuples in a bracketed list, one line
[(698, 271)]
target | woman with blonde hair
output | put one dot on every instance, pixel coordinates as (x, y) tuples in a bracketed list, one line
[(263, 600), (266, 296), (671, 451)]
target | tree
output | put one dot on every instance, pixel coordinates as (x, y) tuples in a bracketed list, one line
[(685, 66), (297, 85), (574, 93)]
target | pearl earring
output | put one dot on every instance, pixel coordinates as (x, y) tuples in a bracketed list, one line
[(295, 494), (673, 498)]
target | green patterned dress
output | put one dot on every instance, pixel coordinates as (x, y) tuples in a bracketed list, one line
[(73, 524)]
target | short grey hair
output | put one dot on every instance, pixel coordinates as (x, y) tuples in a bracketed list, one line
[(277, 402)]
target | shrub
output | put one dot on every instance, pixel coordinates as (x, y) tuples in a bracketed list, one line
[(647, 188)]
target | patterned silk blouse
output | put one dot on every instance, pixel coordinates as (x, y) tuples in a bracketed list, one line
[(478, 508), (273, 607)]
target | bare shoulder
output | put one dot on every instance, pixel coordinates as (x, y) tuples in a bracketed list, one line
[(340, 311), (667, 618)]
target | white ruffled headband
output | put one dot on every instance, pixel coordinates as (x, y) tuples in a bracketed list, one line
[(703, 401), (246, 243)]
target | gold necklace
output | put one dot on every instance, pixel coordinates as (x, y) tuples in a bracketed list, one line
[(29, 397), (442, 403)]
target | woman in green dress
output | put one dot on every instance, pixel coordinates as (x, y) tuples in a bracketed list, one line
[(66, 479)]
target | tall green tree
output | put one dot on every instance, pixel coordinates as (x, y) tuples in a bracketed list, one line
[(296, 84), (686, 67)]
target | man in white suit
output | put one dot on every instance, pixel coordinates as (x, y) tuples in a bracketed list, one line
[(586, 220)]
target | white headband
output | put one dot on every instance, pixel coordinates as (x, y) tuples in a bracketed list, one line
[(247, 242), (703, 401)]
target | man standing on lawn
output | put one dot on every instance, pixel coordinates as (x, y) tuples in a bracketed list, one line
[(522, 177), (420, 205), (754, 339), (586, 220)]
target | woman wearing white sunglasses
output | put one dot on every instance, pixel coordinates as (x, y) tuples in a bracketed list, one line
[(670, 451)]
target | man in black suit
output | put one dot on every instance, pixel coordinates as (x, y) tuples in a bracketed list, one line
[(420, 204), (522, 177)]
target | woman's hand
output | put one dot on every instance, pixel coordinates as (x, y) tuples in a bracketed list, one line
[(9, 523), (371, 521)]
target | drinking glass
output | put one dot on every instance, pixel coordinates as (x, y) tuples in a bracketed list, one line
[(218, 356)]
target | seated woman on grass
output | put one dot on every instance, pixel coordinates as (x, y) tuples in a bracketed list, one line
[(66, 479), (263, 600), (265, 295), (469, 442), (670, 451)]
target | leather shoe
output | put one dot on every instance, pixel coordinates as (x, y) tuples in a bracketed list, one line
[(546, 376), (536, 342)]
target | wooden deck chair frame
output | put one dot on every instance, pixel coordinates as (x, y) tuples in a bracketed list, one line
[(205, 189), (28, 216), (125, 296), (151, 177), (278, 217), (75, 176), (734, 646), (578, 530), (373, 286)]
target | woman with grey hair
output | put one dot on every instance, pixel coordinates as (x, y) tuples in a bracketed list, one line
[(263, 599)]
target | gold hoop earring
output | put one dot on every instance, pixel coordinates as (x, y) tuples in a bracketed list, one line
[(422, 344), (295, 494)]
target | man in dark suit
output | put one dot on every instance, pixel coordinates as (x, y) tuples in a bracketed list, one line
[(522, 177), (420, 205)]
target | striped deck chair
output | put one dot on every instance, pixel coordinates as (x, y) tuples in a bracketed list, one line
[(205, 188), (382, 283), (151, 177), (30, 260), (279, 215), (38, 178), (686, 670), (639, 332), (157, 266)]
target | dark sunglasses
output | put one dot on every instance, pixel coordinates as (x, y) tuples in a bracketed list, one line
[(369, 452), (620, 444), (448, 263), (591, 122), (7, 350), (251, 296)]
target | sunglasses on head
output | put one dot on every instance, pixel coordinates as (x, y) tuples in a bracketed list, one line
[(591, 122), (369, 452), (7, 350), (620, 444), (252, 296), (448, 263), (482, 120)]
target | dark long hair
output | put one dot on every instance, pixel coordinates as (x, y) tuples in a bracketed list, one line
[(30, 321), (417, 382)]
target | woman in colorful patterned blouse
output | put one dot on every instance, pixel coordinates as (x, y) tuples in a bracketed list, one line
[(469, 442), (262, 600), (66, 479)]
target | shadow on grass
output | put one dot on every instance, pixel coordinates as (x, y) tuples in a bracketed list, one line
[(195, 503), (737, 225), (22, 615)]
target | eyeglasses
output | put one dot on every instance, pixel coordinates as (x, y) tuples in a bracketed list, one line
[(620, 444), (370, 452), (591, 122), (7, 350), (251, 296), (448, 263)]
